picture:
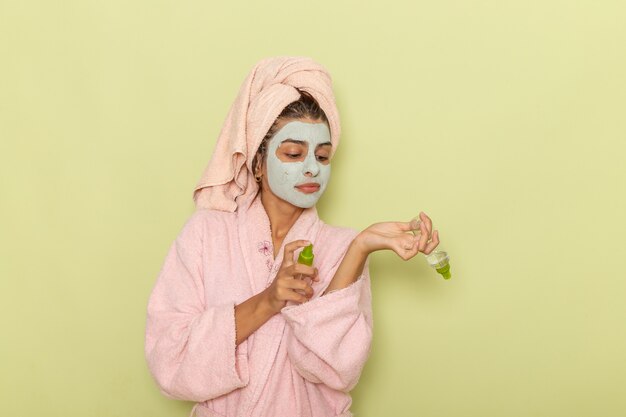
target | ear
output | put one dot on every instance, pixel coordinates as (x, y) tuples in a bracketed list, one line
[(259, 167)]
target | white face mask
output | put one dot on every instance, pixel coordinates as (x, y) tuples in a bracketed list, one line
[(286, 179)]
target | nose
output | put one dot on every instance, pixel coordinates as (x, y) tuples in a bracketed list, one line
[(310, 168)]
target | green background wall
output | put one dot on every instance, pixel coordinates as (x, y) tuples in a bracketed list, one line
[(502, 120)]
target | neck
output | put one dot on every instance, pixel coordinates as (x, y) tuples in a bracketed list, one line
[(282, 215)]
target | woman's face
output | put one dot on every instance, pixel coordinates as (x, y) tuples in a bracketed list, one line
[(297, 166)]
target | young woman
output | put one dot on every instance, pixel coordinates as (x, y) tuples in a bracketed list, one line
[(234, 322)]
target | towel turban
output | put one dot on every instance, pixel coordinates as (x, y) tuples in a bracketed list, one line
[(271, 85)]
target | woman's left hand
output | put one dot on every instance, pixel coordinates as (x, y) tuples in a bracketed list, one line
[(396, 236)]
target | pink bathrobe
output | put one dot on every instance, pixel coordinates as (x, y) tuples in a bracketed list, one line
[(302, 362)]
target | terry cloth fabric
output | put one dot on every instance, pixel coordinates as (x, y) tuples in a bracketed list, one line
[(302, 362), (269, 87)]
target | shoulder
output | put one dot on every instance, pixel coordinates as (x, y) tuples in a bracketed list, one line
[(337, 234), (333, 241), (204, 216), (206, 219)]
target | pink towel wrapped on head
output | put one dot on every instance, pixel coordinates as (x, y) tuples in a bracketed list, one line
[(272, 84), (302, 362)]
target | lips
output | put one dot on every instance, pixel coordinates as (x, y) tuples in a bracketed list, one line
[(308, 188)]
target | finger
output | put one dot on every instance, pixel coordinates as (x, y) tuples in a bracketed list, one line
[(294, 284), (300, 287), (433, 244), (291, 295), (298, 269), (316, 277), (299, 298), (406, 250), (407, 242), (424, 230), (410, 254), (291, 247), (423, 240), (426, 219), (404, 244), (409, 226), (415, 226), (306, 293)]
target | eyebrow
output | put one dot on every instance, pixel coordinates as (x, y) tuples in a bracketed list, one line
[(303, 142)]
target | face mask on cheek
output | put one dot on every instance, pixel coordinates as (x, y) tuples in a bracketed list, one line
[(284, 177)]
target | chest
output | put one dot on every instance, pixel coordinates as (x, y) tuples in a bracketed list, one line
[(233, 269)]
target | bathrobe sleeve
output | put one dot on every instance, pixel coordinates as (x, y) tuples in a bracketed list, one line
[(329, 337), (190, 347)]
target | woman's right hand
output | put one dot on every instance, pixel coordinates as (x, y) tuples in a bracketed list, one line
[(287, 281)]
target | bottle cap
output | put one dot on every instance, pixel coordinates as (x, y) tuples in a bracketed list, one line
[(441, 262)]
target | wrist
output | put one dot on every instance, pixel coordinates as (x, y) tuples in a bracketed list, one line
[(351, 266), (359, 245), (264, 306)]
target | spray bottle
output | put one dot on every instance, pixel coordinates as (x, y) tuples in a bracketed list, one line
[(306, 258)]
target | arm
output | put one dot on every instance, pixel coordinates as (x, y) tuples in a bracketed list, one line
[(190, 347), (197, 352), (254, 312), (380, 236), (250, 315), (330, 336), (351, 267)]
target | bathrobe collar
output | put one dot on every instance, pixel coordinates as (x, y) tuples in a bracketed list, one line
[(256, 239)]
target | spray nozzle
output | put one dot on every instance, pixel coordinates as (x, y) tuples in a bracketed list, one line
[(306, 256)]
